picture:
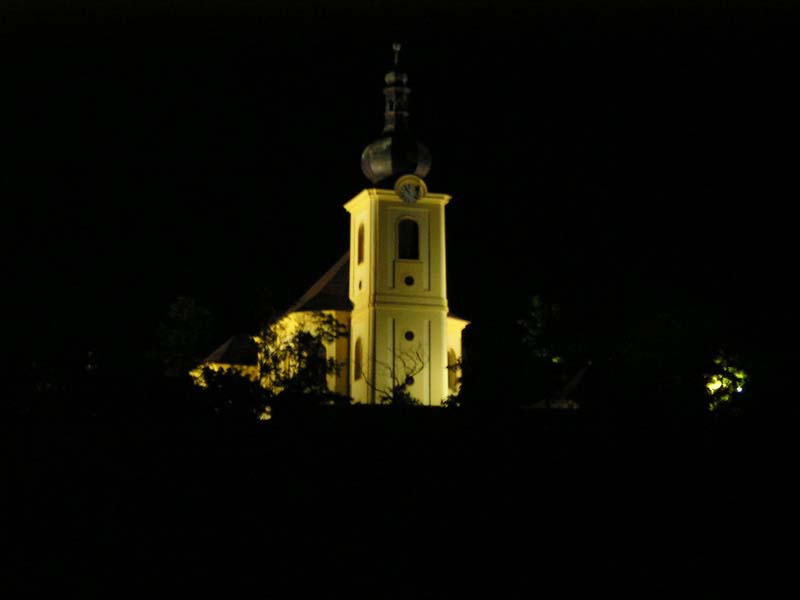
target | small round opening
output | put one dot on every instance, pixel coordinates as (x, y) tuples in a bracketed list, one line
[(409, 380), (409, 335), (409, 280)]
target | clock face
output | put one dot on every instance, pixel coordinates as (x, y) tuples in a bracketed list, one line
[(410, 188), (410, 192)]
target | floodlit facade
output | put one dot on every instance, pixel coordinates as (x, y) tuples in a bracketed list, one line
[(400, 329), (389, 291)]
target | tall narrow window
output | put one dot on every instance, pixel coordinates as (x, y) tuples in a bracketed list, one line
[(357, 360), (360, 244), (452, 370), (317, 367), (408, 239)]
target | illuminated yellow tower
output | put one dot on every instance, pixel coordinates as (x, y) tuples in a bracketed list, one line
[(401, 335)]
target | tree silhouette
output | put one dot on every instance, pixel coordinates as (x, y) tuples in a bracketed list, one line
[(230, 396), (183, 336), (406, 366), (635, 354), (296, 366)]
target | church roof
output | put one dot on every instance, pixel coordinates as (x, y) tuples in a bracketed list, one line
[(330, 292), (239, 349)]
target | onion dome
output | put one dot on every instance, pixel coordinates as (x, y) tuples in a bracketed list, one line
[(397, 151)]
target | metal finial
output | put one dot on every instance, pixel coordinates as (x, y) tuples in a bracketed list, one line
[(396, 47)]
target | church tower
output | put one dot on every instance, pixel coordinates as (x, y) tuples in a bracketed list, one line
[(401, 336)]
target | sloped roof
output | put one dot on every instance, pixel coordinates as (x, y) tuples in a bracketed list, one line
[(239, 349), (330, 292)]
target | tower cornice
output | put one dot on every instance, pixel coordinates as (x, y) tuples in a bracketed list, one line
[(389, 196)]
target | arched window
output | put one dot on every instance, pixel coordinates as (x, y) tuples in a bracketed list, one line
[(357, 360), (317, 367), (360, 244), (408, 239), (452, 370)]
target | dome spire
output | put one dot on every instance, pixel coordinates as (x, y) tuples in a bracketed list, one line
[(397, 152), (396, 94)]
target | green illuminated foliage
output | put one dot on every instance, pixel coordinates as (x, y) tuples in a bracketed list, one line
[(725, 381)]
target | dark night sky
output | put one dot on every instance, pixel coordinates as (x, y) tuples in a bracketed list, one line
[(207, 151)]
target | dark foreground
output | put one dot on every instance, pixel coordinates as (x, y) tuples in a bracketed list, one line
[(399, 504)]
